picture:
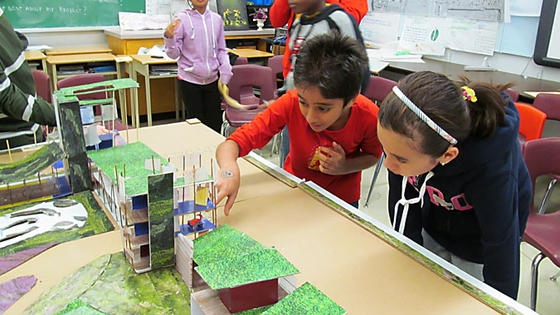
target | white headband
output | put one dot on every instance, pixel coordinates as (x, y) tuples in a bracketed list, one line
[(423, 116)]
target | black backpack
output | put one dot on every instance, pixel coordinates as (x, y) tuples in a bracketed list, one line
[(325, 14)]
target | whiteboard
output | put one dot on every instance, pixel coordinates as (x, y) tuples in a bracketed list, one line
[(547, 47)]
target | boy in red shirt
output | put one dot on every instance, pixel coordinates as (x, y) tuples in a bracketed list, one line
[(335, 127)]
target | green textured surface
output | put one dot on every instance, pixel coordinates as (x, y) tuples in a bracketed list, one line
[(132, 156), (79, 307), (306, 299), (32, 164), (97, 222), (254, 311), (110, 286), (258, 266), (160, 212), (69, 94), (223, 243), (72, 134)]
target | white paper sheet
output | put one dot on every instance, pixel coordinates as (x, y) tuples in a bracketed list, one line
[(129, 21), (165, 7), (525, 7), (424, 35), (379, 28), (472, 36)]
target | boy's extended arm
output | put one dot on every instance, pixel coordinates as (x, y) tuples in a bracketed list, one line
[(228, 177)]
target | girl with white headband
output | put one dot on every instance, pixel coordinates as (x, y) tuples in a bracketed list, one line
[(457, 180), (196, 37)]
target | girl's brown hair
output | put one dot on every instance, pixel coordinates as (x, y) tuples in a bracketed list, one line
[(442, 100)]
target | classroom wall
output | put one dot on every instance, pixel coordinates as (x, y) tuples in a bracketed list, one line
[(521, 65)]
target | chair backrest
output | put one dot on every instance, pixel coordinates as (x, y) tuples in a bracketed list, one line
[(86, 78), (531, 121), (253, 76), (275, 63), (549, 104), (513, 94), (538, 154), (378, 88), (42, 86), (241, 61)]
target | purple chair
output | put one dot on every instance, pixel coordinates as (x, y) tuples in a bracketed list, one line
[(542, 230), (42, 86), (241, 61), (275, 63), (378, 88), (88, 78), (550, 105), (248, 76)]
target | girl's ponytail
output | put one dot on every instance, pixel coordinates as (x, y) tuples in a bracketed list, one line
[(487, 109)]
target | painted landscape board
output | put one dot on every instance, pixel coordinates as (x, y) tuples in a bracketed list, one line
[(32, 164), (223, 243), (79, 307), (12, 290), (160, 213), (72, 134), (306, 299), (97, 222), (263, 265), (109, 285)]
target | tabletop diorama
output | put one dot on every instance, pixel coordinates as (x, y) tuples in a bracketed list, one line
[(79, 182)]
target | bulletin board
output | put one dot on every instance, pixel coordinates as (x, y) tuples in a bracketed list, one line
[(516, 37)]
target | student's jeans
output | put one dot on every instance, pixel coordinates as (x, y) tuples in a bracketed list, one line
[(203, 102), (469, 267)]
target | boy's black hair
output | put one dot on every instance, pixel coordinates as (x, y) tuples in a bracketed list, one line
[(333, 63)]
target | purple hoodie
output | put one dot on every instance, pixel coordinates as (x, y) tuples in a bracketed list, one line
[(201, 47)]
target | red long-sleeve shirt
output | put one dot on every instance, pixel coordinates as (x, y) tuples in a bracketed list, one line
[(358, 135), (280, 14)]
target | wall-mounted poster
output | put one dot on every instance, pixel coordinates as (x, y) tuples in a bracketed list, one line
[(234, 14)]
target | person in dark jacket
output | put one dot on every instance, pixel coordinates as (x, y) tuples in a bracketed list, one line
[(457, 180), (20, 109)]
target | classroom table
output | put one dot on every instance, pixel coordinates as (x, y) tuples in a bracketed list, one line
[(121, 65), (533, 94), (253, 55), (72, 50), (354, 266), (36, 55), (141, 64), (56, 60), (396, 70)]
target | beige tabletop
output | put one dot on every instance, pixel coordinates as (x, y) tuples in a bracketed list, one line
[(354, 267), (77, 50), (251, 53), (79, 58), (147, 59), (34, 55)]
